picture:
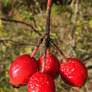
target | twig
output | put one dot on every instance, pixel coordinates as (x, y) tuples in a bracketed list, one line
[(47, 32), (37, 46), (74, 27), (59, 50), (28, 3), (21, 22), (72, 3), (89, 67), (75, 17), (9, 40)]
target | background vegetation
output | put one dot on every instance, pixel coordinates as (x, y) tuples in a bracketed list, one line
[(22, 22)]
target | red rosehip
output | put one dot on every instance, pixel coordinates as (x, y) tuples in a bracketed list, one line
[(51, 65), (41, 82), (73, 72), (21, 69)]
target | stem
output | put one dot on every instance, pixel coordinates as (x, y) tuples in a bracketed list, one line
[(28, 3), (73, 49), (21, 22), (58, 49), (47, 32), (75, 17), (37, 46)]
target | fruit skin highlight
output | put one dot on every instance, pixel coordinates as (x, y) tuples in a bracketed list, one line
[(51, 65), (21, 69), (41, 82), (73, 72)]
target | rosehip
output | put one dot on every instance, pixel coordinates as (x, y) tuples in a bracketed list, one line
[(41, 82), (21, 69), (73, 72), (51, 66)]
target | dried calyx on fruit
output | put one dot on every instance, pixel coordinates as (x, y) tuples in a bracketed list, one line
[(21, 69), (51, 64), (73, 72), (41, 82)]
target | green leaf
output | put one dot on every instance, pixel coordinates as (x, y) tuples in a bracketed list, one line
[(4, 48), (54, 36), (78, 22), (28, 50), (57, 9), (5, 2), (0, 23), (90, 23), (78, 30), (79, 45)]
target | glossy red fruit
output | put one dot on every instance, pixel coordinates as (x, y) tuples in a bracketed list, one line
[(41, 82), (21, 69), (51, 66), (73, 72)]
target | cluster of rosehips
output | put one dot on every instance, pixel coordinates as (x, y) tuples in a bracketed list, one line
[(26, 70)]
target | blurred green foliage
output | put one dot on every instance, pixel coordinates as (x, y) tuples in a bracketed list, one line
[(57, 9), (17, 39)]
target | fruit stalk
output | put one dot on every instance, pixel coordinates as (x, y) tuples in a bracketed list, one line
[(37, 46), (47, 32), (59, 50)]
